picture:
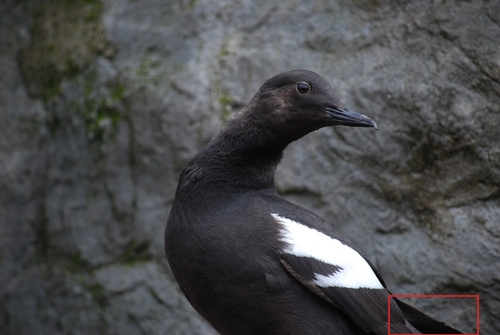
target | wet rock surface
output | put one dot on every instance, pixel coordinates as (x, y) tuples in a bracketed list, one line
[(103, 103)]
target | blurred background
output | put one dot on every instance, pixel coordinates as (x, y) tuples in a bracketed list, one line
[(102, 104)]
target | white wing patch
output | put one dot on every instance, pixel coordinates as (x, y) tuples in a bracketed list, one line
[(303, 241)]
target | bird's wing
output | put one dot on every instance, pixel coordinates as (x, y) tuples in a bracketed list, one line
[(423, 322), (340, 275)]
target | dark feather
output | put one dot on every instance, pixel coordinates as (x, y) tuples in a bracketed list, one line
[(423, 322), (366, 307)]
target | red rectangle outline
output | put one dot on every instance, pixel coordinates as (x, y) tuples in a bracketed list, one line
[(475, 296)]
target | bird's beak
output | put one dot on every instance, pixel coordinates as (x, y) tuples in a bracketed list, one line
[(346, 117)]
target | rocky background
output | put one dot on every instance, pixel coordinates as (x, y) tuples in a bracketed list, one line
[(102, 103)]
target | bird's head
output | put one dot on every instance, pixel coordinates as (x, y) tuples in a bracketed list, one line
[(302, 101)]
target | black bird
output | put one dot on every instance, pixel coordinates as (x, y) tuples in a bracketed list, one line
[(251, 262)]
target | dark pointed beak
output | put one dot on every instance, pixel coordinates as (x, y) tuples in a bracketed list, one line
[(346, 117)]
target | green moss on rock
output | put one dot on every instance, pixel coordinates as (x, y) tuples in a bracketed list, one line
[(65, 36), (100, 110), (136, 252), (98, 294), (226, 102)]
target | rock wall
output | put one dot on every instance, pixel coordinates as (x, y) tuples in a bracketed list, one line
[(102, 103)]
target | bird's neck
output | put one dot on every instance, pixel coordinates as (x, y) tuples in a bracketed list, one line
[(242, 156)]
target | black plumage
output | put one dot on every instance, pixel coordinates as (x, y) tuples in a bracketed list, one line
[(253, 263)]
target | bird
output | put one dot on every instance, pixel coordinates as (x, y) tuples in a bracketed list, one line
[(251, 262)]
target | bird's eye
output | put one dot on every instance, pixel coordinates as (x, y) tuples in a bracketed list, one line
[(303, 88)]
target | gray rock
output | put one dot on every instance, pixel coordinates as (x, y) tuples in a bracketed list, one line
[(103, 104)]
